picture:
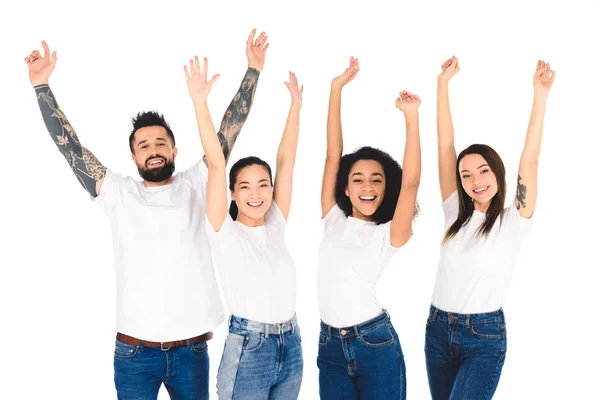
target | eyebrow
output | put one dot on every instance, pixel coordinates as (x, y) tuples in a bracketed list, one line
[(482, 165), (145, 140), (247, 183), (373, 174)]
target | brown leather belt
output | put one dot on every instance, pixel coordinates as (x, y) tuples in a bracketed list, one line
[(163, 345)]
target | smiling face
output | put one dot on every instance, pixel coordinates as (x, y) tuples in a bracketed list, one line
[(478, 180), (252, 192), (366, 188), (154, 153)]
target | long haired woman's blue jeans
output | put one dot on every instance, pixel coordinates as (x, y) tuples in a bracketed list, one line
[(464, 354)]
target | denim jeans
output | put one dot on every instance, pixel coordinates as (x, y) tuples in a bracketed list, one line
[(464, 354), (139, 371), (261, 361), (364, 361)]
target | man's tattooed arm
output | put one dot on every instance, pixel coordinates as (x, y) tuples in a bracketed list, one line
[(237, 112), (84, 164), (521, 193)]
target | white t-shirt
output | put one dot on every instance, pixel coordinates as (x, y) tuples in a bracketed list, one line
[(256, 271), (474, 273), (352, 256), (166, 287)]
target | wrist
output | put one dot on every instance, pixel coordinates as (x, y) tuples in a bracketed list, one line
[(411, 114), (42, 82), (255, 68)]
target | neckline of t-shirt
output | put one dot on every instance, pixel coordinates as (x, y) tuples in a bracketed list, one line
[(161, 187), (249, 228), (362, 221)]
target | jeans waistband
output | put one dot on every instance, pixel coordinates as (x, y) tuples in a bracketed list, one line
[(356, 330), (239, 323), (465, 319)]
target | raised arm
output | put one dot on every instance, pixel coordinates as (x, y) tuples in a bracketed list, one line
[(286, 155), (239, 108), (335, 142), (528, 167), (199, 89), (445, 130), (401, 226), (86, 167)]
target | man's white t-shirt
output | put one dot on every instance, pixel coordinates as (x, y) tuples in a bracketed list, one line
[(166, 287), (256, 271), (352, 256), (474, 272)]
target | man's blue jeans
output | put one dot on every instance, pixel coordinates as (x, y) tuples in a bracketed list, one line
[(140, 370)]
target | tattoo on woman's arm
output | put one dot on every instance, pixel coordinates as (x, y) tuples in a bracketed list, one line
[(84, 164), (521, 193)]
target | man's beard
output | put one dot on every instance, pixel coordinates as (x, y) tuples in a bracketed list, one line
[(158, 174)]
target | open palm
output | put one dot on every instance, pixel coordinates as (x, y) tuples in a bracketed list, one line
[(348, 75), (198, 86), (256, 50)]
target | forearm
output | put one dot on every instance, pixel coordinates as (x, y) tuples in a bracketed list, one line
[(445, 127), (411, 165), (334, 124), (286, 154), (533, 138), (211, 143), (84, 164), (237, 112)]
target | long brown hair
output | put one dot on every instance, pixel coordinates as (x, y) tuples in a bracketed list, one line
[(465, 203)]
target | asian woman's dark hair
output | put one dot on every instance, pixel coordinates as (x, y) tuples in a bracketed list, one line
[(235, 170), (465, 202), (393, 178)]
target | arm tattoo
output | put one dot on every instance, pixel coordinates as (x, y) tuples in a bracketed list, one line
[(84, 164), (237, 112), (521, 193)]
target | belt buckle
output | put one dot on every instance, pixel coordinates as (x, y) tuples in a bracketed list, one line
[(163, 348)]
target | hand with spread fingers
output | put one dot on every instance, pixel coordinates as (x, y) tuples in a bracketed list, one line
[(348, 75), (449, 68), (40, 67), (198, 86), (256, 50), (296, 92), (408, 103), (543, 78)]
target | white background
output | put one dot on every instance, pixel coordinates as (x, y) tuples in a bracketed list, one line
[(57, 290)]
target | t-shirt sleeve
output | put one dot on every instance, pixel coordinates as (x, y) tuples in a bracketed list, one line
[(333, 217), (274, 218), (197, 176), (220, 240), (110, 192), (519, 225), (387, 250), (450, 208)]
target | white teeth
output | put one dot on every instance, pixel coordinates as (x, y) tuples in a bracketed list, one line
[(255, 204), (479, 190), (155, 162), (367, 197)]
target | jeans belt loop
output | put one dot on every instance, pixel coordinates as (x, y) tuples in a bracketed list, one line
[(468, 321), (329, 331), (266, 331), (229, 321), (387, 313), (435, 311), (141, 346)]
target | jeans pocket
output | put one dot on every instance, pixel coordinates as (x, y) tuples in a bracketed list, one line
[(379, 336), (323, 339), (199, 348), (253, 341), (487, 330), (125, 351)]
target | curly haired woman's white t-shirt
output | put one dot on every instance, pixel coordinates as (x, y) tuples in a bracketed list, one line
[(474, 272), (255, 268), (352, 256)]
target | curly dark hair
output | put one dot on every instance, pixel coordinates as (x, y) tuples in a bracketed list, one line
[(393, 177)]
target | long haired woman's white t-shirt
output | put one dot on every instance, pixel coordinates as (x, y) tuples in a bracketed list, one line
[(474, 271)]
